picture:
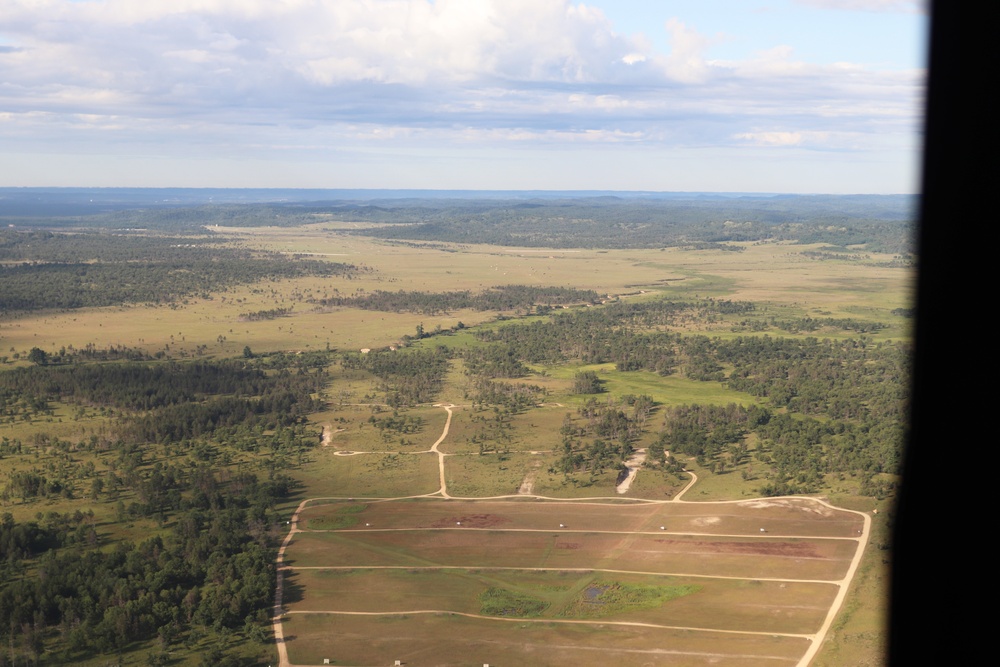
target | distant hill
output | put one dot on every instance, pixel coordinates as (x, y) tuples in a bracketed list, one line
[(512, 218)]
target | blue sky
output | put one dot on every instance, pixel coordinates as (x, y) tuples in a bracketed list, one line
[(887, 34), (670, 95)]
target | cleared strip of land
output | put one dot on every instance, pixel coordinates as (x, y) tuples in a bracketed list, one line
[(722, 604), (447, 640), (786, 516), (667, 554), (434, 579)]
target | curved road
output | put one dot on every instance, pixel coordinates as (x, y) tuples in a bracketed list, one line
[(434, 448)]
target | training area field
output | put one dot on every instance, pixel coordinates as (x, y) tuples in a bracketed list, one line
[(548, 582)]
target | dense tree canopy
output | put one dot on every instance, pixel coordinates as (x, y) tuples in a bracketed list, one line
[(46, 270)]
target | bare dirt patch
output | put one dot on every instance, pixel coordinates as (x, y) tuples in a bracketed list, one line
[(792, 503), (706, 521), (328, 433), (472, 521), (632, 467), (528, 485), (795, 549)]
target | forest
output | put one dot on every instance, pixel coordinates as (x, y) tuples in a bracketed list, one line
[(498, 298), (213, 569), (849, 395), (174, 424), (47, 270)]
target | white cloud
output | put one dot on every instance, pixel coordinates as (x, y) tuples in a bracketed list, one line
[(239, 75), (529, 135), (686, 61), (869, 5), (315, 43), (772, 138)]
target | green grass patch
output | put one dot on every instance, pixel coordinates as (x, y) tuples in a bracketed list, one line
[(725, 486), (694, 283), (664, 390), (344, 517), (373, 475), (502, 602), (473, 475), (583, 484), (607, 598)]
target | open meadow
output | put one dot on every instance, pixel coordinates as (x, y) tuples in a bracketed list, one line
[(775, 274), (451, 640)]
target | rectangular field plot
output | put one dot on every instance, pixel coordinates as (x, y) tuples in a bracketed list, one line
[(445, 640), (745, 557), (369, 474), (364, 431), (527, 582), (782, 517), (510, 514), (477, 476), (721, 604)]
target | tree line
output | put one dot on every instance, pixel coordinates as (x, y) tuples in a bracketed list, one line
[(200, 449), (46, 270), (499, 298), (408, 376), (213, 570), (849, 396)]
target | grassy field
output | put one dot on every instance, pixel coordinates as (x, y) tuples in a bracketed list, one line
[(665, 390), (716, 603), (776, 274), (377, 475), (460, 563), (710, 556), (449, 640), (776, 516)]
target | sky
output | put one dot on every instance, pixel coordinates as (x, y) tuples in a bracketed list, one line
[(802, 96)]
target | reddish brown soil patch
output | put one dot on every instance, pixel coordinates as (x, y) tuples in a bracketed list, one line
[(472, 521), (568, 545), (795, 549)]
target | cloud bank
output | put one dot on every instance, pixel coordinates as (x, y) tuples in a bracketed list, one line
[(302, 77)]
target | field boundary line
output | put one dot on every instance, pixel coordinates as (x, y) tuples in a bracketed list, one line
[(474, 568), (611, 501), (755, 536), (845, 585), (567, 621)]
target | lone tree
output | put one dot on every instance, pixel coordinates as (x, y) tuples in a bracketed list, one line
[(587, 382), (38, 356)]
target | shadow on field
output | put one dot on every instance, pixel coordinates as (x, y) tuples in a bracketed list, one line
[(292, 591)]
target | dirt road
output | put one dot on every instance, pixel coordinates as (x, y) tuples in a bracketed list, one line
[(434, 448), (816, 640)]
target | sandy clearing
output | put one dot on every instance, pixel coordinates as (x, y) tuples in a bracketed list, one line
[(633, 464), (328, 433)]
